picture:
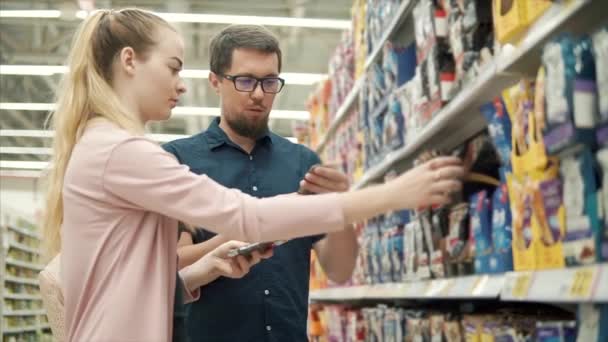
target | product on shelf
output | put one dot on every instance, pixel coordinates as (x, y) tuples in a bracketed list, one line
[(358, 11), (388, 323), (571, 94), (513, 17), (580, 201), (602, 237), (600, 50), (379, 15)]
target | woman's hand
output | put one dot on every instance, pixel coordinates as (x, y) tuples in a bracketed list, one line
[(428, 184), (217, 264)]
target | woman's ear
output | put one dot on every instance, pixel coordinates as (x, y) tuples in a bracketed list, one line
[(127, 60)]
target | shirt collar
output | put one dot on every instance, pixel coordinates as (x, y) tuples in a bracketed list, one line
[(216, 136)]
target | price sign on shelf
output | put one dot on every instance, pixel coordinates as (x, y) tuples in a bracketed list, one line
[(521, 285), (581, 283)]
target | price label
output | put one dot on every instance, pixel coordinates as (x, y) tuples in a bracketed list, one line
[(521, 285), (582, 283), (447, 288)]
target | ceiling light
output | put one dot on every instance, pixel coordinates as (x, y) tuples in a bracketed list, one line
[(50, 134), (334, 24), (20, 173), (177, 111), (291, 78), (25, 150), (30, 14), (29, 106), (20, 164)]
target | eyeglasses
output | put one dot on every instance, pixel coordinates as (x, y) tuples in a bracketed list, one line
[(270, 85)]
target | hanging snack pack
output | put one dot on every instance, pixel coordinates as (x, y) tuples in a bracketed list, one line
[(571, 94), (600, 50), (481, 230), (580, 200), (499, 127), (602, 238), (501, 259)]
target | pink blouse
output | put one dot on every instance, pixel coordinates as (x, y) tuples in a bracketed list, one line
[(123, 196)]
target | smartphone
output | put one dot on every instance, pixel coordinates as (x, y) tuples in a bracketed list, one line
[(259, 246)]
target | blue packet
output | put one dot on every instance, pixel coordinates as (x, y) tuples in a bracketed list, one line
[(396, 252), (393, 126), (481, 223), (499, 127)]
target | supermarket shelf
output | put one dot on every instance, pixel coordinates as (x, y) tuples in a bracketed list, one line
[(446, 129), (24, 313), (24, 231), (18, 280), (570, 285), (441, 132), (19, 296), (579, 16), (23, 247), (18, 263), (472, 287), (342, 113), (577, 284), (400, 16)]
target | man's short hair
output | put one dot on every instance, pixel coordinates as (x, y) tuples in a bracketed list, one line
[(240, 37)]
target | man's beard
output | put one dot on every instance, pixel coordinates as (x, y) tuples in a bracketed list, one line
[(253, 129)]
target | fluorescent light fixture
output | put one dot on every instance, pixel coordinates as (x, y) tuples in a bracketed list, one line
[(30, 14), (50, 134), (26, 133), (177, 111), (20, 173), (27, 106), (293, 78), (25, 150), (20, 164), (334, 24), (41, 70)]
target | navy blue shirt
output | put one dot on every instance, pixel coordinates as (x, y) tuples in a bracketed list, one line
[(271, 302)]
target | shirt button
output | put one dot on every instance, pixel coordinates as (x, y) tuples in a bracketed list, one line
[(266, 292), (268, 328), (250, 157), (255, 188)]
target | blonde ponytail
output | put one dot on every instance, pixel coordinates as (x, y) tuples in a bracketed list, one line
[(85, 92)]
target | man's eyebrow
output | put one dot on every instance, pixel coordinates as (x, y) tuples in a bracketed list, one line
[(181, 64)]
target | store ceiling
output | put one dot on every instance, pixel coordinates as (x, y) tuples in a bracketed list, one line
[(45, 41)]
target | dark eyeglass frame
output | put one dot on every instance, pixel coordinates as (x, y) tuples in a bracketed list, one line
[(260, 81)]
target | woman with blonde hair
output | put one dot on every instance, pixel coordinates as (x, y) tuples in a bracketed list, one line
[(115, 197)]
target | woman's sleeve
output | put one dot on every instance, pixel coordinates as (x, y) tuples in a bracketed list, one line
[(143, 174)]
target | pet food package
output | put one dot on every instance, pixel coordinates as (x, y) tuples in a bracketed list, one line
[(581, 204), (602, 243), (600, 51), (571, 94)]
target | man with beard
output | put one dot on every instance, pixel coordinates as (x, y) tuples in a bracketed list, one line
[(239, 151)]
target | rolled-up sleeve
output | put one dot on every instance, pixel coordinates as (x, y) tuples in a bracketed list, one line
[(143, 174)]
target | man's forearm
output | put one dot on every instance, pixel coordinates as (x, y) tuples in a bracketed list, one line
[(338, 254), (191, 253)]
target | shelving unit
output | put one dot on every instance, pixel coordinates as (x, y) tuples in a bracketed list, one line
[(569, 285), (456, 122), (446, 129), (22, 316)]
